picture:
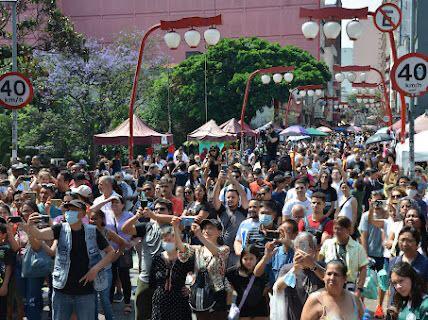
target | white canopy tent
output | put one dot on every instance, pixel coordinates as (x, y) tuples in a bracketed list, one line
[(421, 150)]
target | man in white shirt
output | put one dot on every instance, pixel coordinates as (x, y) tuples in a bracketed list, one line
[(301, 199), (105, 185)]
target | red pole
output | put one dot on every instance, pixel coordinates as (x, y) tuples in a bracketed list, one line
[(385, 95), (244, 106), (134, 91)]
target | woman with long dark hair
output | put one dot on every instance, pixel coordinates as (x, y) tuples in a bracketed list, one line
[(255, 305), (324, 186), (410, 300), (415, 219)]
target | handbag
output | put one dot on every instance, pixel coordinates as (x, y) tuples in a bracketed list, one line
[(202, 293), (36, 264), (236, 310)]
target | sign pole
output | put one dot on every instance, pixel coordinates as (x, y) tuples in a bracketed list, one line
[(14, 69), (412, 99)]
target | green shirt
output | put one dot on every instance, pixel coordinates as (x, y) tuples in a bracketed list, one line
[(420, 313)]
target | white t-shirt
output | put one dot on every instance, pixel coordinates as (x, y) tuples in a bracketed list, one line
[(288, 206), (107, 207)]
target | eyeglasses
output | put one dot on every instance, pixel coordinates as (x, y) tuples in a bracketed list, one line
[(396, 196), (188, 192), (299, 188), (261, 194), (316, 202), (48, 186), (406, 206)]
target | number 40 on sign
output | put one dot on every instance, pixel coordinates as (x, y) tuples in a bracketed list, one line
[(409, 74), (16, 90)]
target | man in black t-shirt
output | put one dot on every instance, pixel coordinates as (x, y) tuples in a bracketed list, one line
[(271, 140), (73, 278)]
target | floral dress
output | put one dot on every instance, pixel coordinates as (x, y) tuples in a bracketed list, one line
[(168, 279)]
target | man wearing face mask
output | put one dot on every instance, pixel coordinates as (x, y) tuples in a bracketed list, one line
[(248, 231), (412, 192), (79, 265)]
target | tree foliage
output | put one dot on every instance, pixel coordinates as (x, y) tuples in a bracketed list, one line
[(229, 64)]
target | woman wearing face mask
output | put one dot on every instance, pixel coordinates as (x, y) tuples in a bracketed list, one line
[(410, 300), (242, 278), (414, 219), (97, 218), (167, 278), (211, 256)]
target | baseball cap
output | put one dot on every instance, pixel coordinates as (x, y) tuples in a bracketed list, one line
[(75, 203), (213, 222), (82, 190), (193, 167)]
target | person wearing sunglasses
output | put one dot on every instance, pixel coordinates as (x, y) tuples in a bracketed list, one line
[(150, 234)]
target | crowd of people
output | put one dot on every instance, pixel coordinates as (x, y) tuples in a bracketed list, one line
[(298, 230)]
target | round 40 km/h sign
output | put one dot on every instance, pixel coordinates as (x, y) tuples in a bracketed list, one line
[(409, 74), (16, 90), (387, 17)]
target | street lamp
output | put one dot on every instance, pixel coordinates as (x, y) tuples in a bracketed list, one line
[(355, 68), (332, 28), (300, 91), (277, 72), (172, 40)]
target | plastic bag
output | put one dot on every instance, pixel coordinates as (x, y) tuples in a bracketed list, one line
[(370, 285), (277, 304), (383, 280)]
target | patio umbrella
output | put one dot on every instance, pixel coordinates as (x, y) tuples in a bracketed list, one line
[(382, 130), (315, 132), (294, 131), (297, 138), (325, 129), (379, 137), (353, 129)]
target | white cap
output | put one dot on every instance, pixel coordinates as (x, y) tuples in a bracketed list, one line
[(82, 190)]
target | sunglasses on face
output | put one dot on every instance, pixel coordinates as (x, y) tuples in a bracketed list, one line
[(188, 192), (396, 196)]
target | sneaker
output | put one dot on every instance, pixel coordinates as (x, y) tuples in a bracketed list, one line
[(117, 297), (379, 313)]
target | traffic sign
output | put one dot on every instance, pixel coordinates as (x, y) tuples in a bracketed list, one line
[(387, 17), (409, 74), (16, 90)]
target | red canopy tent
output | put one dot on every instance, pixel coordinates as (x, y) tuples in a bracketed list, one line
[(210, 131), (234, 127), (143, 134)]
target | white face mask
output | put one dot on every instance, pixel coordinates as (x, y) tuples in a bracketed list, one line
[(411, 192)]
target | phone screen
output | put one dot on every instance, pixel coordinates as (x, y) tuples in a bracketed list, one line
[(187, 221), (14, 219)]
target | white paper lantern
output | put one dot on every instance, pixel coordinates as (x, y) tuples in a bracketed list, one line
[(339, 77), (277, 77), (288, 77), (354, 91), (302, 93), (310, 29), (359, 100), (372, 91), (363, 76), (212, 36), (351, 76), (365, 100), (265, 79), (331, 29), (354, 29), (172, 39), (192, 38), (318, 92), (363, 90), (371, 100), (311, 93)]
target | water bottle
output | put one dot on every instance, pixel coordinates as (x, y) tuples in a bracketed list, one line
[(367, 314)]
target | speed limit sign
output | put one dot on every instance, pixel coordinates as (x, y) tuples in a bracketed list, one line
[(16, 90), (387, 17), (409, 74)]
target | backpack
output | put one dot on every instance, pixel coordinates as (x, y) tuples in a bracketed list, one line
[(316, 232), (202, 294)]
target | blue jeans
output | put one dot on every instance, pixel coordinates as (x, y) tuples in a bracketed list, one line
[(105, 298), (63, 306), (30, 289)]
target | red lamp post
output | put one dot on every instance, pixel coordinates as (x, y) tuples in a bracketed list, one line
[(288, 77), (192, 37), (355, 68), (313, 87)]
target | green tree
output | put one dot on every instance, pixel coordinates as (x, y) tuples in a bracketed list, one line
[(229, 64)]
